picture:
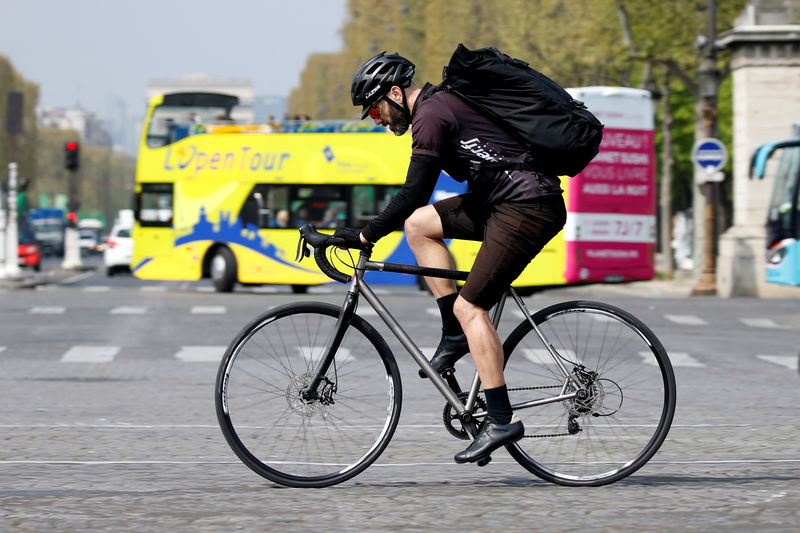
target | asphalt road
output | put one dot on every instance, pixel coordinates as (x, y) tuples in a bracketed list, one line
[(107, 422)]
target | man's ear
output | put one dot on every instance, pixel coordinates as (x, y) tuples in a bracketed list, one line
[(397, 94)]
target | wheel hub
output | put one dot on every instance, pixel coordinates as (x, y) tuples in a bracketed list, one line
[(595, 398), (299, 404)]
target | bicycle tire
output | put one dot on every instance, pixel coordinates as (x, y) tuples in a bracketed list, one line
[(627, 416), (291, 441)]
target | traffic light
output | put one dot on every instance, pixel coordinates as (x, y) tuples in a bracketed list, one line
[(71, 156)]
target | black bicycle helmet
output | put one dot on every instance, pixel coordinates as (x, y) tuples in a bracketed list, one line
[(377, 75)]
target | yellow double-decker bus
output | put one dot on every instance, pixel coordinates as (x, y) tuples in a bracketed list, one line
[(220, 200)]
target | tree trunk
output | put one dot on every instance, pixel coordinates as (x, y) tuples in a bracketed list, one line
[(665, 199)]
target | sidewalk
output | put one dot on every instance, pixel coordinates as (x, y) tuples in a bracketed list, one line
[(680, 287), (29, 279)]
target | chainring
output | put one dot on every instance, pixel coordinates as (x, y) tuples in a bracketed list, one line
[(450, 418)]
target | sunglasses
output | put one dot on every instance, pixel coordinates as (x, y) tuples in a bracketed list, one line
[(373, 112)]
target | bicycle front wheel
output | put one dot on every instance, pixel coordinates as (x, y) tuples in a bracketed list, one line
[(292, 440), (627, 400)]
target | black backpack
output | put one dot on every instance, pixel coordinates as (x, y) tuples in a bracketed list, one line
[(558, 133)]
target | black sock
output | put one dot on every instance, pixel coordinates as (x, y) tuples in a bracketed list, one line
[(450, 324), (498, 405)]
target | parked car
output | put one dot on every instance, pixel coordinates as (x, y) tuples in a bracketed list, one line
[(28, 249), (118, 250)]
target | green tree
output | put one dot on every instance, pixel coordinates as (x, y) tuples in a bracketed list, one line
[(11, 80)]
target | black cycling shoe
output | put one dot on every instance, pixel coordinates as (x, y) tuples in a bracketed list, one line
[(451, 349), (491, 436)]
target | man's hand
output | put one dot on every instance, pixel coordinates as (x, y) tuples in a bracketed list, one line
[(350, 236)]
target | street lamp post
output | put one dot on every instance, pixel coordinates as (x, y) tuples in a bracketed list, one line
[(708, 86)]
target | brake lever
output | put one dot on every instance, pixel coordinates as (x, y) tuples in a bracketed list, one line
[(302, 250)]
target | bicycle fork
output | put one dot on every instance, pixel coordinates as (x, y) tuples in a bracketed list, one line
[(321, 371)]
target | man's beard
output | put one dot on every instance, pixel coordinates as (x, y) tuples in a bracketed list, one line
[(398, 123)]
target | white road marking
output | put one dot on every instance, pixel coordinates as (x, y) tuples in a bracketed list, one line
[(444, 464), (314, 353), (153, 288), (789, 361), (761, 323), (205, 289), (676, 358), (268, 289), (367, 311), (129, 310), (97, 288), (686, 320), (208, 310), (201, 354), (541, 356), (90, 354), (48, 310), (433, 311), (2, 349)]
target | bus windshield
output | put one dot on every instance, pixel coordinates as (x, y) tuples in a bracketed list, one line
[(783, 216), (170, 123)]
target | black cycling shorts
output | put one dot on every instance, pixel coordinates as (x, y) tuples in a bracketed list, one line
[(512, 235)]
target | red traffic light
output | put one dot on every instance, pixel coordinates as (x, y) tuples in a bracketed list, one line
[(71, 157)]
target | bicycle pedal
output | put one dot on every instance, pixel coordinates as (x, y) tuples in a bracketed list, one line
[(485, 461)]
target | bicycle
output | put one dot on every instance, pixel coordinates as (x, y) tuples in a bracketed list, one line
[(309, 394)]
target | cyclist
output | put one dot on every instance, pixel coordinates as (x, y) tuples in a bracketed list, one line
[(513, 212)]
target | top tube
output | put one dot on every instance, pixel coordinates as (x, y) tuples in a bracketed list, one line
[(321, 241)]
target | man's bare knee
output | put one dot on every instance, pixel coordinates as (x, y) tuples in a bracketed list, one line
[(466, 311), (423, 223)]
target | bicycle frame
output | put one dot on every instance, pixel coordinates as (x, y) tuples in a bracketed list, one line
[(447, 386)]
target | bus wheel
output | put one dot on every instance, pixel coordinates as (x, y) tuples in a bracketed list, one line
[(223, 270), (299, 289)]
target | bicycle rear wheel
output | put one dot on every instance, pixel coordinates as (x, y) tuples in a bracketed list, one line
[(307, 443), (627, 413)]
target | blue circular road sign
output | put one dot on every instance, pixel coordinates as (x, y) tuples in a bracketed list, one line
[(710, 154)]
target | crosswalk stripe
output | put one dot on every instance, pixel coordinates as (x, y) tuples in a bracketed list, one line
[(676, 358), (201, 354), (686, 320), (90, 354), (434, 311), (48, 310), (208, 310), (129, 310), (761, 323), (204, 289), (367, 311), (789, 361), (2, 349)]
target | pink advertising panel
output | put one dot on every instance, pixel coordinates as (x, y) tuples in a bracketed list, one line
[(611, 226)]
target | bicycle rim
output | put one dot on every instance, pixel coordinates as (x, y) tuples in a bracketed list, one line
[(295, 442), (631, 400)]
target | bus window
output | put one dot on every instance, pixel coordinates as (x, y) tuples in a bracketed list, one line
[(322, 205), (154, 205), (368, 201), (262, 207)]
